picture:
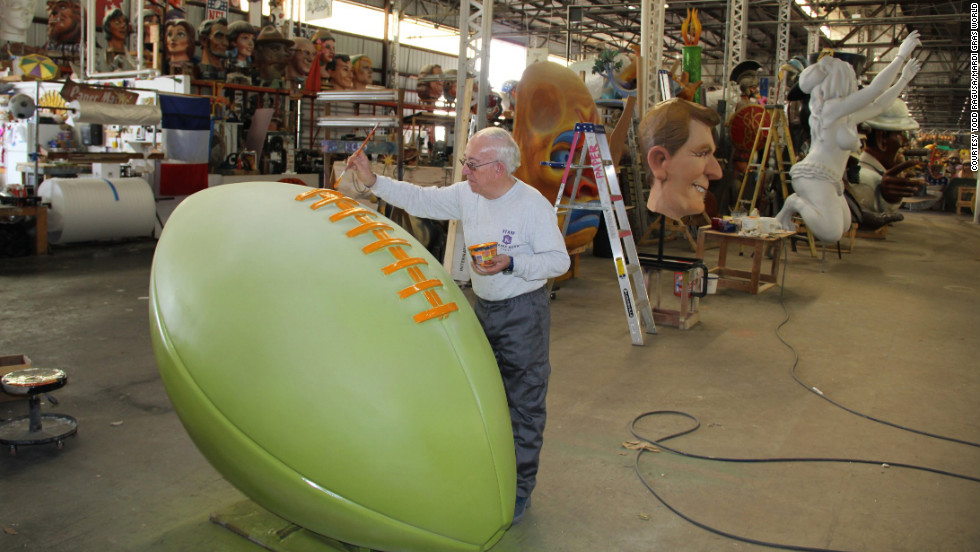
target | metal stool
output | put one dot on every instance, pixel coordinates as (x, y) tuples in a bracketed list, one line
[(35, 428)]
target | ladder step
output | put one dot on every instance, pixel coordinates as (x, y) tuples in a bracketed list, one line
[(633, 290), (560, 165), (584, 206)]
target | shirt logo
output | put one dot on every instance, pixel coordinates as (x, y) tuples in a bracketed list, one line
[(508, 237)]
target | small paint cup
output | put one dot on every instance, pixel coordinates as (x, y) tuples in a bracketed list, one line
[(483, 253)]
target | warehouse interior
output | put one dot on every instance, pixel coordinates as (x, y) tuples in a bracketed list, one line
[(897, 342), (816, 395)]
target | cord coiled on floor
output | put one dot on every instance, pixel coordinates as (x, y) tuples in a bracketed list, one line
[(697, 424)]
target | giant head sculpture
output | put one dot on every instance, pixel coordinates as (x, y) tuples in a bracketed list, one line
[(272, 54), (340, 72), (362, 68), (429, 90), (241, 38), (677, 138), (116, 28), (326, 48), (550, 100), (64, 22), (17, 17), (179, 37), (304, 56), (213, 35)]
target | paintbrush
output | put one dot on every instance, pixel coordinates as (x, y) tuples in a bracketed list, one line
[(347, 165)]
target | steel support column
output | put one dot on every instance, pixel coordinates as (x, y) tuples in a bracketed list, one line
[(782, 48), (812, 39), (652, 50), (734, 43), (393, 34), (394, 39), (475, 33)]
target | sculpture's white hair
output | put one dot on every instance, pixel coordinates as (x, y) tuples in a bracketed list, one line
[(827, 79)]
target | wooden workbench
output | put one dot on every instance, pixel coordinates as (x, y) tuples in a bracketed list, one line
[(751, 281)]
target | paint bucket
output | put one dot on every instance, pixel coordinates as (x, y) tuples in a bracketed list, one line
[(712, 284), (483, 253)]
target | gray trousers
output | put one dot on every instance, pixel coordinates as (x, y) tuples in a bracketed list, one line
[(518, 330)]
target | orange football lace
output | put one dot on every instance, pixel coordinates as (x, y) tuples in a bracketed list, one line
[(347, 207)]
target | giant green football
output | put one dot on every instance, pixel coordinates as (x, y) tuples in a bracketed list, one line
[(328, 366)]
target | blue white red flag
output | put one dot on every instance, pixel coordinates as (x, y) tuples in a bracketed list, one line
[(187, 138)]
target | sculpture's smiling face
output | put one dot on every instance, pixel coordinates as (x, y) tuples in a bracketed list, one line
[(688, 172), (245, 44)]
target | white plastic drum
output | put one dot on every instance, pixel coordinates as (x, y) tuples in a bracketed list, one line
[(89, 209)]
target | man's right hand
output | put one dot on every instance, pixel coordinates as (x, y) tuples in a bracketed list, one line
[(894, 187), (361, 166)]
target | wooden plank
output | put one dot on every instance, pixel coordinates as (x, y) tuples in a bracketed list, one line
[(263, 528)]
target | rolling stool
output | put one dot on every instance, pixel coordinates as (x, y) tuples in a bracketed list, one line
[(29, 430)]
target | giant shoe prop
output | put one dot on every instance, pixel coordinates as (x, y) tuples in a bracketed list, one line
[(329, 368)]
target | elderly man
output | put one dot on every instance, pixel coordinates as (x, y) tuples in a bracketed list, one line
[(512, 298), (881, 186), (213, 36), (272, 53), (677, 138)]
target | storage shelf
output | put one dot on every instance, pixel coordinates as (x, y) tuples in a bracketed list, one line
[(338, 121), (386, 95)]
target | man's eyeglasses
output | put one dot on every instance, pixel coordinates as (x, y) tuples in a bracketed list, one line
[(472, 166)]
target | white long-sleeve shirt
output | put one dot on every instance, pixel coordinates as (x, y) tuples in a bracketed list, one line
[(522, 222)]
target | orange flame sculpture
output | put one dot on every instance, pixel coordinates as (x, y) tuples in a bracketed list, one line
[(691, 22)]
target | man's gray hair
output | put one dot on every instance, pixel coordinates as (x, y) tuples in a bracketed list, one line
[(502, 144)]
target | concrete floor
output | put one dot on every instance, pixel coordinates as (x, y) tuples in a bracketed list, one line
[(890, 330)]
